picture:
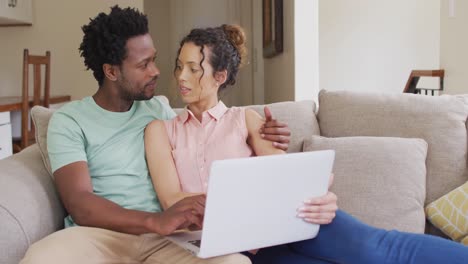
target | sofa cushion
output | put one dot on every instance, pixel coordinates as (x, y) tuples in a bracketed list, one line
[(41, 116), (379, 180), (440, 120), (12, 231), (300, 117), (449, 213), (30, 207)]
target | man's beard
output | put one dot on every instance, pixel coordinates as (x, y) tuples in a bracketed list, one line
[(125, 88), (142, 97)]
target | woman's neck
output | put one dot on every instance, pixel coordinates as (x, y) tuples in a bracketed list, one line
[(197, 108)]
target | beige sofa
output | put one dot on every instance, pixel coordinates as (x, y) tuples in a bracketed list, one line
[(394, 154)]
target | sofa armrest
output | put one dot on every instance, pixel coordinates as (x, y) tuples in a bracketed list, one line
[(29, 205)]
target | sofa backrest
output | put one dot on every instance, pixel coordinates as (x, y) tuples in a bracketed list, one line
[(439, 120)]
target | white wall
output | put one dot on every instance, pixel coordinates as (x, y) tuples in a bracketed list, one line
[(369, 45), (360, 45), (306, 50), (56, 27), (454, 47)]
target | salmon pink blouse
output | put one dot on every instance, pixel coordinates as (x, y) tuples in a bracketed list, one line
[(222, 134)]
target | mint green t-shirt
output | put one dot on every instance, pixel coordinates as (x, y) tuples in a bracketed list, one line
[(112, 143)]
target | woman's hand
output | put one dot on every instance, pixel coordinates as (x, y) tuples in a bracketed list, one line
[(319, 210)]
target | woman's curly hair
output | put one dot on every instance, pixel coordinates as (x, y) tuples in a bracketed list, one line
[(106, 35), (228, 49)]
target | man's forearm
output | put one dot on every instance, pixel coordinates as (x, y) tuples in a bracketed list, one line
[(74, 185), (94, 211)]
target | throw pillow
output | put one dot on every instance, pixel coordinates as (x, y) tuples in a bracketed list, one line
[(41, 116), (449, 213), (379, 180), (464, 241)]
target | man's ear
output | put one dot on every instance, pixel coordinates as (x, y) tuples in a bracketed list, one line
[(110, 71), (220, 77)]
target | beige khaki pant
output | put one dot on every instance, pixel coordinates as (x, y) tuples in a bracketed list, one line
[(94, 245)]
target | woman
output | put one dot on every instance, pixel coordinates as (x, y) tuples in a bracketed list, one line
[(180, 152)]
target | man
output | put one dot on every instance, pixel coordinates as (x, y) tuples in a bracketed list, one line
[(96, 149)]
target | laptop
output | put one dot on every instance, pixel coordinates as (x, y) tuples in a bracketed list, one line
[(252, 203)]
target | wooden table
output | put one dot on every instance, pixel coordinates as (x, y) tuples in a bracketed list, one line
[(13, 103)]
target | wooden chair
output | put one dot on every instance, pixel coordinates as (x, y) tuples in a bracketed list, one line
[(413, 80), (27, 131)]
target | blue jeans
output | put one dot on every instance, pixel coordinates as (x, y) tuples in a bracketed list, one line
[(347, 240)]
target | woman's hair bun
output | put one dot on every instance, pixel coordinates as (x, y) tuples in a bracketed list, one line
[(235, 34)]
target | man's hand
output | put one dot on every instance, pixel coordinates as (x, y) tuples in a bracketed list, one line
[(188, 212), (275, 131)]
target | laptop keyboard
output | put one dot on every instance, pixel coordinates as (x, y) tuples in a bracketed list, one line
[(195, 242)]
